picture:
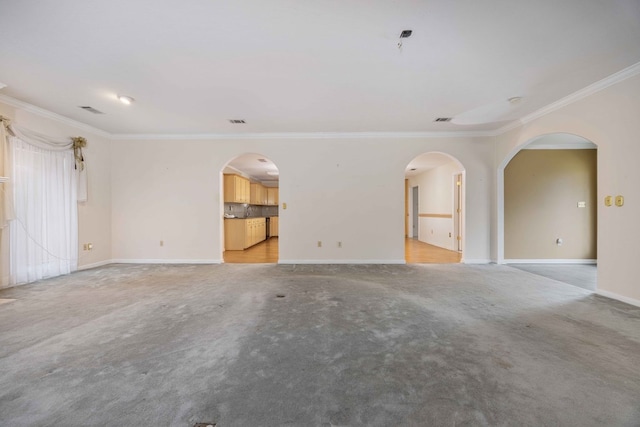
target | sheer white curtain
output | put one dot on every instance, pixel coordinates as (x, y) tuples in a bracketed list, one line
[(44, 228)]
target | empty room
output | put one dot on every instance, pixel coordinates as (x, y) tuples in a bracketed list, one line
[(330, 213)]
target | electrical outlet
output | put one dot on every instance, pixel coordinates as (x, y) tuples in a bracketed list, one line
[(90, 246), (319, 244), (84, 247), (161, 242), (339, 244)]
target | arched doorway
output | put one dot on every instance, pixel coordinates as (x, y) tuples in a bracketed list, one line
[(434, 209), (251, 224), (547, 216)]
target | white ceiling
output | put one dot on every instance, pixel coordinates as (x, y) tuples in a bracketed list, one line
[(309, 66), (560, 141), (426, 161), (256, 167)]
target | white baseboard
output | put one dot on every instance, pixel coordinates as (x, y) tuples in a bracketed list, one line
[(342, 261), (550, 261), (476, 261), (94, 265), (166, 261), (615, 296)]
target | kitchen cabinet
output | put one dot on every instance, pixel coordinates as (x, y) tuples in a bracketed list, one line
[(274, 226), (258, 194), (272, 196), (237, 189), (241, 233)]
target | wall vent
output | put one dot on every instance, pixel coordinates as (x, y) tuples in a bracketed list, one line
[(442, 119), (236, 121), (91, 109)]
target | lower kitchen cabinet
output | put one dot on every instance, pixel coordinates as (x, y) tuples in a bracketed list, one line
[(241, 233), (274, 226)]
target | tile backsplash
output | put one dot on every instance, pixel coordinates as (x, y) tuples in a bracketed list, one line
[(249, 211)]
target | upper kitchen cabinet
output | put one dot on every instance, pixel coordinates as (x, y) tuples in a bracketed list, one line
[(258, 194), (237, 189), (272, 196)]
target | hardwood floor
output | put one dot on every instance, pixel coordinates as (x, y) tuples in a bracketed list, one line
[(419, 252), (263, 253), (415, 252)]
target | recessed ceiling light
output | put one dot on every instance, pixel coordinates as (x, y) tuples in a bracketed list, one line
[(514, 100), (127, 100), (413, 169), (263, 160), (272, 173)]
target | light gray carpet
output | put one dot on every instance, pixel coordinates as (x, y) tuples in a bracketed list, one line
[(433, 345), (582, 275)]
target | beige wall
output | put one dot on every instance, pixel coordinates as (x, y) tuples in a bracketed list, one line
[(542, 189), (608, 118), (94, 216), (347, 190)]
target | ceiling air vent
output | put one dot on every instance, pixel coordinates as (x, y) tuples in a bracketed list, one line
[(263, 160), (236, 121), (442, 119), (91, 109)]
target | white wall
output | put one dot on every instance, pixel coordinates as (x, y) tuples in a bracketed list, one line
[(436, 196), (348, 190), (608, 118), (94, 216)]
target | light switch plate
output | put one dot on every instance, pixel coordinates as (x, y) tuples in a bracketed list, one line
[(582, 204), (619, 201), (608, 201)]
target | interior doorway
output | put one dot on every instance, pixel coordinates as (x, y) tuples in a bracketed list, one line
[(436, 211), (251, 220), (547, 214)]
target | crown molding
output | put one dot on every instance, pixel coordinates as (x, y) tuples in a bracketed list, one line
[(305, 135), (583, 93), (53, 116), (574, 97)]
